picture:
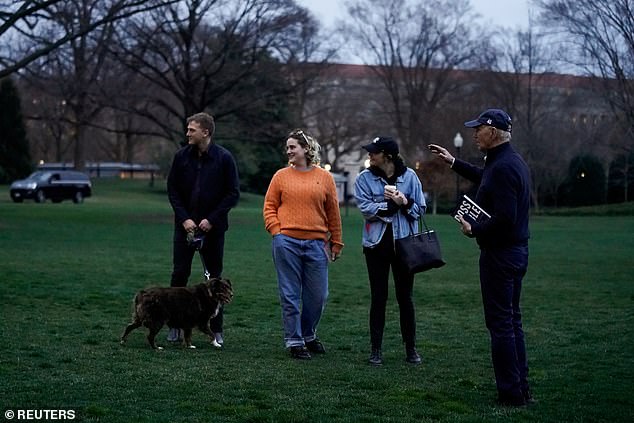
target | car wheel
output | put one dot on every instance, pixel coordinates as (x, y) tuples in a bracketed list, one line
[(17, 200), (39, 196), (78, 198)]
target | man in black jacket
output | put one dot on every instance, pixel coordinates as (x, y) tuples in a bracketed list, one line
[(202, 186), (504, 192)]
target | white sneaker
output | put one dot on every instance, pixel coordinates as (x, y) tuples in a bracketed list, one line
[(218, 340), (175, 335)]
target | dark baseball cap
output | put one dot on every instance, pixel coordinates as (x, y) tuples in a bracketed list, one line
[(497, 118), (382, 144)]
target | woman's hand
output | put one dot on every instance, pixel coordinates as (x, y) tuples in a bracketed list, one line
[(396, 196)]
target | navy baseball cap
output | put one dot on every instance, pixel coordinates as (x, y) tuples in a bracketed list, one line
[(497, 118), (382, 144)]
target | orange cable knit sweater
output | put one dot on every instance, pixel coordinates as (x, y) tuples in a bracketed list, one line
[(303, 205)]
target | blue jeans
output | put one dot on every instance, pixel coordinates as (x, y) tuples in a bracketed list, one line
[(501, 273), (302, 277)]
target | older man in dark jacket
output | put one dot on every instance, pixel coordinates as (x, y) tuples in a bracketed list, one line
[(202, 186), (504, 192)]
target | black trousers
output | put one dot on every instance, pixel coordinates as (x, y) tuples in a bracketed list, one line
[(379, 259), (501, 274), (212, 253)]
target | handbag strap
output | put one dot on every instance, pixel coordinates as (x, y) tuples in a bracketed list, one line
[(421, 223), (420, 219)]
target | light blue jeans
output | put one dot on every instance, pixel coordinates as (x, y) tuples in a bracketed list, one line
[(302, 277)]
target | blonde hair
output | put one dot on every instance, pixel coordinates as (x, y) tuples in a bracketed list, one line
[(309, 143)]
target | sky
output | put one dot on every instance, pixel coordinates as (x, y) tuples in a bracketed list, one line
[(514, 14)]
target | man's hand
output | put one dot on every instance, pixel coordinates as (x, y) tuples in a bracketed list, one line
[(441, 152), (205, 226), (189, 225), (465, 227)]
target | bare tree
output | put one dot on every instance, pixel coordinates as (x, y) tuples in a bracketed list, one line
[(48, 125), (343, 125), (344, 111), (599, 34), (129, 134), (37, 21), (75, 72), (209, 55), (520, 83), (416, 47)]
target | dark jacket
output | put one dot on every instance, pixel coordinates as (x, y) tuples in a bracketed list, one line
[(503, 192), (218, 189)]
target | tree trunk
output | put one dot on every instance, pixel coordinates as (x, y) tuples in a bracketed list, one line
[(626, 177), (79, 153)]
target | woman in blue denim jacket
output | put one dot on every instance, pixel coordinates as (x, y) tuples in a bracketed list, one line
[(390, 197)]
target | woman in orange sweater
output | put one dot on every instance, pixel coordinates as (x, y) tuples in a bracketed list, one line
[(301, 212)]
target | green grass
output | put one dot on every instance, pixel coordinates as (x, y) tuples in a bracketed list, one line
[(618, 209), (68, 274)]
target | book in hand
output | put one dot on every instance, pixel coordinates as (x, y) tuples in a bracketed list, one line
[(470, 211)]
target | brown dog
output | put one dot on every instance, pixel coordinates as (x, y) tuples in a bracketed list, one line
[(184, 308)]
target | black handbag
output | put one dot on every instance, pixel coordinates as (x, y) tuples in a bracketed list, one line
[(421, 251)]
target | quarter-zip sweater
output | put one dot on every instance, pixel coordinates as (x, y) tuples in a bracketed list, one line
[(503, 192)]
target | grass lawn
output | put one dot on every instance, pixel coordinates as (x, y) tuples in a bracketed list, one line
[(68, 274)]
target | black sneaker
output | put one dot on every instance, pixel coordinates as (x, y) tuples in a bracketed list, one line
[(316, 347), (412, 356), (528, 397), (300, 353), (511, 400), (376, 358)]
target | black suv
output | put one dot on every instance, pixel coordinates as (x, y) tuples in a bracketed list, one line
[(57, 185)]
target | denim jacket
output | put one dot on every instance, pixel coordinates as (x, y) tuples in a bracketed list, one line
[(368, 193)]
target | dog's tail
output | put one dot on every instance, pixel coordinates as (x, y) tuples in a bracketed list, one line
[(135, 304)]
